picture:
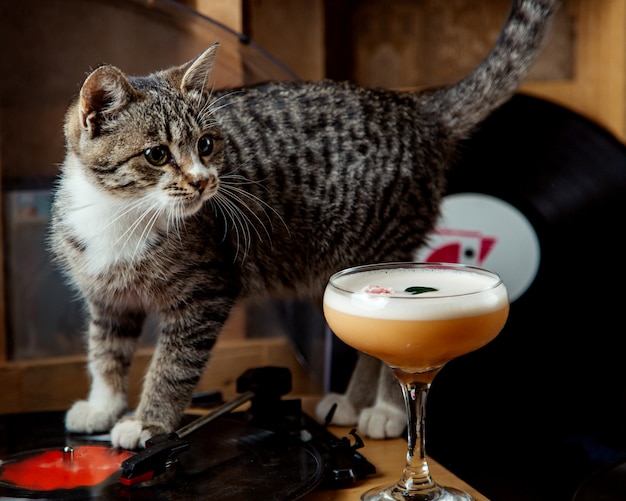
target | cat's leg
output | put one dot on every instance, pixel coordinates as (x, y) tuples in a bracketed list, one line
[(358, 395), (112, 342), (180, 358), (387, 417)]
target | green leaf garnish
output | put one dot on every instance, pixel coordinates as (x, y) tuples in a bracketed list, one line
[(419, 290)]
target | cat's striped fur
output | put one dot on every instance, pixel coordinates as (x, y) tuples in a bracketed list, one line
[(176, 201)]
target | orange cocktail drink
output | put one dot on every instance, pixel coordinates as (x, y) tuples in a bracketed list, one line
[(416, 319)]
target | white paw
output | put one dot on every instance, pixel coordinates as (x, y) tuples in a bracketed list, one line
[(382, 421), (345, 414), (129, 434), (84, 417)]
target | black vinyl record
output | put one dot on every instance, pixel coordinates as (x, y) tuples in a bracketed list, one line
[(228, 459), (532, 414)]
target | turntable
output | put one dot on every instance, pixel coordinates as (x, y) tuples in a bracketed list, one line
[(271, 450)]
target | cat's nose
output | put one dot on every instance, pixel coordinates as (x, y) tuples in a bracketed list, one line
[(199, 184)]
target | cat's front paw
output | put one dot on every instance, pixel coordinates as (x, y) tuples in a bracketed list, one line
[(85, 417), (345, 413), (382, 421), (132, 433)]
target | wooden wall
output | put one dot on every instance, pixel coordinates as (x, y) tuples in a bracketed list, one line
[(420, 43), (597, 88), (393, 43)]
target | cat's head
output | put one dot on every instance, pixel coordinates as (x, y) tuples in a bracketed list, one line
[(151, 138)]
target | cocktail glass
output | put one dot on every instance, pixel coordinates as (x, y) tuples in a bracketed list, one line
[(415, 317)]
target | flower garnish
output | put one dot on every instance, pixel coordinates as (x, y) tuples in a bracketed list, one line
[(377, 289), (419, 290)]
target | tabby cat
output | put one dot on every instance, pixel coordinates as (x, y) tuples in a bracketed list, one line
[(177, 201)]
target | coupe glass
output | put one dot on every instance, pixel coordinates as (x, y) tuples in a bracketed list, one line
[(415, 317)]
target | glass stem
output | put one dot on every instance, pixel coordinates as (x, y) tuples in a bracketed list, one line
[(416, 474)]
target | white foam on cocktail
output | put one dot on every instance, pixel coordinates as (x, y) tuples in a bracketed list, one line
[(459, 294)]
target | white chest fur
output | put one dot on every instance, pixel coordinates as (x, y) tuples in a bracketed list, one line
[(113, 230)]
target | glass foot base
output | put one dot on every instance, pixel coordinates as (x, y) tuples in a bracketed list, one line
[(395, 493)]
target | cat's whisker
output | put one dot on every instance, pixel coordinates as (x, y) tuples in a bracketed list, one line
[(241, 222), (125, 211), (204, 104), (234, 187), (172, 226), (224, 96), (233, 195), (147, 229), (213, 109), (209, 108), (225, 207), (178, 220), (81, 207), (128, 233), (218, 209), (245, 223)]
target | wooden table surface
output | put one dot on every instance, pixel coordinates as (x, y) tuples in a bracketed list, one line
[(388, 456)]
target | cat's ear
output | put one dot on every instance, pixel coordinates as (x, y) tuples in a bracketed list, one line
[(197, 73), (105, 92)]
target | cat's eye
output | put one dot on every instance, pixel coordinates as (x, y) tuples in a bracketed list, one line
[(157, 156), (205, 146)]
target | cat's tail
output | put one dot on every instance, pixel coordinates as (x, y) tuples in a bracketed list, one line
[(465, 104)]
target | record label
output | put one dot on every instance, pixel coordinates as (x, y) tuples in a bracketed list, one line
[(62, 468), (483, 230)]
